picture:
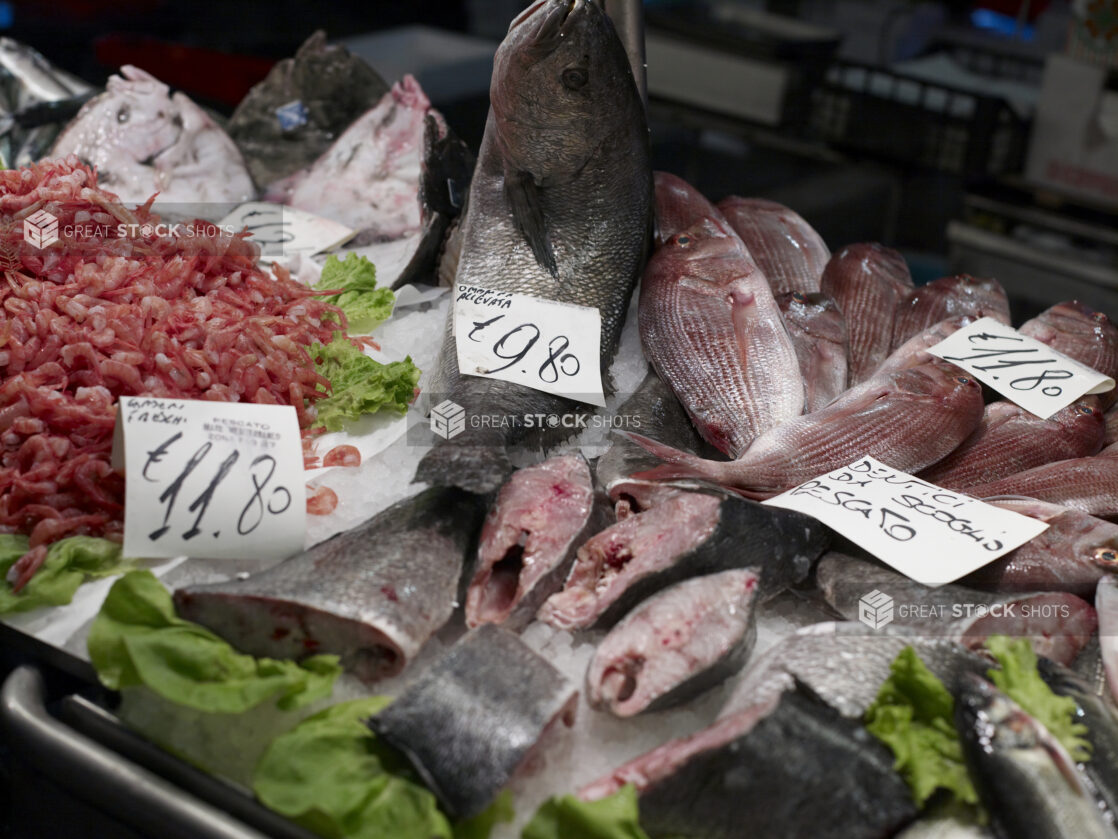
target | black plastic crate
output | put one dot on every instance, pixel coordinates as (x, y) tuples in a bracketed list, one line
[(878, 113)]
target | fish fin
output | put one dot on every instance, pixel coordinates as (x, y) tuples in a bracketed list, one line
[(474, 468), (677, 463), (524, 199)]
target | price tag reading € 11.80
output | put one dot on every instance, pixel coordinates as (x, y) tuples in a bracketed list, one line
[(1020, 368), (542, 344), (210, 479), (928, 533)]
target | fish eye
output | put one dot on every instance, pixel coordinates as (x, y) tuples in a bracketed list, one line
[(124, 114), (1086, 409), (1107, 555), (1100, 317), (684, 240), (798, 297), (575, 78), (963, 380)]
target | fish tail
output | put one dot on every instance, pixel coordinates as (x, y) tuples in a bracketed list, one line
[(677, 464), (475, 468)]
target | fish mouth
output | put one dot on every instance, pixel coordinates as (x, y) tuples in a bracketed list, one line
[(555, 18)]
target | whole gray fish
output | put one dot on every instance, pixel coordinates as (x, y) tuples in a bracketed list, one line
[(684, 535), (1089, 484), (302, 106), (788, 250), (1106, 604), (528, 542), (948, 297), (908, 419), (142, 140), (1078, 332), (867, 282), (1058, 623), (791, 768), (469, 721), (655, 410), (914, 351), (1098, 713), (1025, 778), (712, 330), (1073, 554), (818, 332), (372, 595), (1010, 440), (675, 645), (845, 664), (679, 206), (560, 207)]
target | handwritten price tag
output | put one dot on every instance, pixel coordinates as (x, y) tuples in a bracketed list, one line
[(928, 533), (542, 344), (1020, 368), (283, 231), (212, 479)]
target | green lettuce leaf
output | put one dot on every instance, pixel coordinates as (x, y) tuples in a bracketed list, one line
[(565, 817), (1019, 679), (69, 563), (355, 280), (137, 639), (334, 776), (360, 385), (913, 715)]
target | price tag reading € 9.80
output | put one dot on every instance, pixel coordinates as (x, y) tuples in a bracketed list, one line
[(928, 533), (1020, 368), (210, 479), (542, 344)]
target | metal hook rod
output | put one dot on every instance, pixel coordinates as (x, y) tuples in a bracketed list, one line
[(628, 20)]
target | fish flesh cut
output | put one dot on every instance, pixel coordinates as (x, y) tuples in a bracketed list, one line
[(675, 645)]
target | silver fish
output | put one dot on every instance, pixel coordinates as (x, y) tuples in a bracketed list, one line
[(676, 645), (372, 595), (469, 722), (560, 207)]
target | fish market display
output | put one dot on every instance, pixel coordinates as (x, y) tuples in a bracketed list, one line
[(288, 120), (790, 767), (787, 249), (684, 535), (566, 132), (142, 140), (372, 595), (679, 205), (1010, 440), (1078, 332), (1099, 715), (675, 645), (473, 717), (1059, 623), (1089, 484), (528, 542), (1026, 779), (945, 298), (1073, 554), (140, 314), (818, 332), (867, 282), (908, 419), (712, 330)]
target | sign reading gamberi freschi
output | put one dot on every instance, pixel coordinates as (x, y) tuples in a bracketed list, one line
[(541, 344), (210, 479)]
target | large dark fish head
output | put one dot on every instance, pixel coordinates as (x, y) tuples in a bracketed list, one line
[(557, 76)]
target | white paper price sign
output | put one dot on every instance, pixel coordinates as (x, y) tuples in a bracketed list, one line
[(1020, 368), (928, 533), (210, 479), (542, 344), (283, 231)]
